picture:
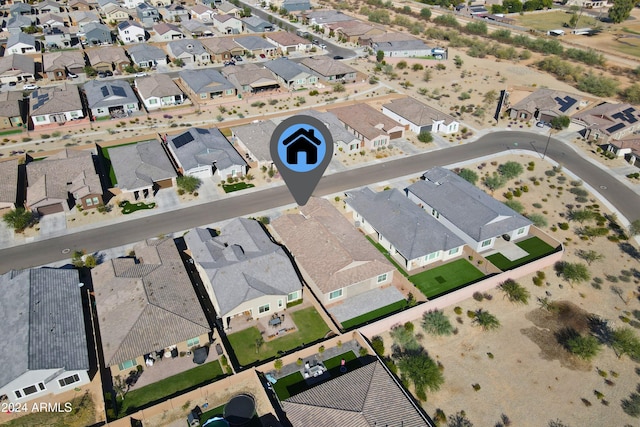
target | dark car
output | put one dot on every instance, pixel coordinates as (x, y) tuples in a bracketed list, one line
[(12, 83), (108, 73), (262, 55), (102, 75), (338, 57)]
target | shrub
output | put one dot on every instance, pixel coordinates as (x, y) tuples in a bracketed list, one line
[(564, 226), (378, 345), (457, 310), (478, 296)]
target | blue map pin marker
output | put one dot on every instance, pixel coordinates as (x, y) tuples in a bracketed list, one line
[(301, 148)]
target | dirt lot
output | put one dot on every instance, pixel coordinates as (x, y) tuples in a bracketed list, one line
[(522, 371)]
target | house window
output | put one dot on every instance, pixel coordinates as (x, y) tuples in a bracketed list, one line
[(39, 118), (18, 394), (131, 106), (486, 243), (454, 251), (29, 390), (96, 200), (229, 92), (335, 294), (69, 380), (153, 101), (280, 303), (382, 278), (433, 255), (126, 365), (520, 230), (193, 342), (264, 308), (203, 96), (88, 202), (293, 296)]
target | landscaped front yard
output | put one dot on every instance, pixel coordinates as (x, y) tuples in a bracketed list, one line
[(229, 188), (534, 246), (439, 280), (136, 399), (249, 347)]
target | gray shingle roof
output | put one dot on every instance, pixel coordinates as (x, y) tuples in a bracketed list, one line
[(196, 147), (10, 104), (256, 22), (190, 46), (8, 181), (110, 93), (364, 397), (411, 230), (146, 305), (328, 247), (338, 132), (257, 138), (158, 85), (473, 211), (140, 165), (43, 324), (242, 263), (416, 112), (249, 75), (254, 43), (22, 63), (21, 38), (146, 52), (365, 120), (207, 80), (286, 69)]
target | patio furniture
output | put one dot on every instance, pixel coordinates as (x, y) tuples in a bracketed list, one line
[(275, 322), (316, 370), (200, 355)]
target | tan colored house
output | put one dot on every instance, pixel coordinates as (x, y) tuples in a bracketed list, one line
[(544, 104), (222, 48), (333, 257), (243, 271), (8, 184), (59, 182), (608, 121), (107, 58), (147, 306), (206, 85), (79, 5), (113, 12), (57, 65), (330, 70), (288, 42), (11, 110), (373, 128), (353, 31)]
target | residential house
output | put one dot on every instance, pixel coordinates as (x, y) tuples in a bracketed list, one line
[(16, 68), (96, 34), (250, 78), (373, 128), (335, 259), (290, 74), (162, 3), (44, 340), (11, 109), (56, 104), (59, 38), (20, 9), (608, 121), (227, 24), (166, 32), (288, 42), (365, 396), (113, 98), (147, 305), (141, 169), (255, 140), (228, 8), (420, 117), (190, 51), (256, 45), (352, 31), (243, 271), (80, 6), (131, 32), (62, 181), (108, 58), (51, 20), (131, 4), (82, 17), (469, 212), (322, 17), (115, 12), (343, 140), (627, 147), (203, 13), (175, 12), (255, 24), (49, 6), (410, 235), (330, 70), (146, 55), (201, 152), (222, 48), (16, 24), (8, 184), (147, 15), (296, 5), (545, 104), (206, 84), (211, 3), (158, 91), (406, 47), (21, 44), (104, 3), (195, 28)]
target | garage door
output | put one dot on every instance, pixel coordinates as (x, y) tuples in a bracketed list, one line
[(203, 174), (395, 135), (166, 183), (47, 210)]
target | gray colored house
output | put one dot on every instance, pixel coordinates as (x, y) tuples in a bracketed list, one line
[(8, 185), (469, 212), (255, 24), (141, 169), (18, 9), (15, 24), (412, 236), (147, 55), (158, 91), (21, 43), (342, 138), (59, 38), (199, 152), (190, 51), (96, 34), (296, 5), (196, 28), (256, 45), (147, 14), (113, 98), (205, 85), (16, 68), (251, 78), (43, 335), (243, 271), (254, 139), (291, 74)]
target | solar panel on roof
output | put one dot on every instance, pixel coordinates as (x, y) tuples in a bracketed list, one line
[(118, 91), (105, 91), (565, 103), (615, 127), (183, 139), (40, 100)]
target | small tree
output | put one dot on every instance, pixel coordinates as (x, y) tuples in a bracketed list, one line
[(458, 61), (188, 183), (76, 259), (178, 62), (18, 219), (515, 292), (120, 386), (425, 137), (486, 320), (624, 341), (585, 347), (259, 343), (338, 88), (435, 322), (468, 175), (378, 345), (277, 364), (573, 272), (582, 215), (621, 10), (589, 256), (634, 227), (617, 290), (494, 181), (510, 170), (379, 56), (428, 75), (560, 122), (425, 13), (459, 419)]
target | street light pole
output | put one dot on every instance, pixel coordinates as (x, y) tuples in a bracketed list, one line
[(547, 146)]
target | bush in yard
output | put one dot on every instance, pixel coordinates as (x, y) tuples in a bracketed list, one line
[(573, 272), (585, 347), (631, 405), (510, 170), (538, 220), (378, 345), (468, 175), (486, 320), (277, 364), (435, 322), (421, 369), (515, 292), (18, 219), (425, 137), (495, 181), (515, 205), (188, 183)]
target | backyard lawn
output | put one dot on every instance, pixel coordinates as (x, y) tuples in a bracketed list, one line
[(310, 326), (534, 246), (387, 256), (83, 414), (553, 20), (375, 314), (439, 280), (229, 188), (136, 399)]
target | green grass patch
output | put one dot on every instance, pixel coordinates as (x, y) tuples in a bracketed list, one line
[(226, 132), (10, 132), (215, 412), (334, 362), (375, 314), (128, 207), (387, 256), (553, 20), (534, 246), (83, 413), (230, 188), (310, 325), (439, 280), (137, 399), (105, 154)]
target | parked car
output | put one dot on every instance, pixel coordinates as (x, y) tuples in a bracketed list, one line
[(12, 83), (72, 75), (101, 74), (108, 73), (540, 124), (31, 86), (322, 46), (338, 57), (238, 58), (263, 56), (141, 74), (227, 63)]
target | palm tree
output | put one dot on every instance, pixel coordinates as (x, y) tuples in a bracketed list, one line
[(18, 219), (515, 292), (435, 322), (486, 320)]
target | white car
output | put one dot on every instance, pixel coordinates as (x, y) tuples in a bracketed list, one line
[(322, 46), (72, 75), (31, 87), (141, 74)]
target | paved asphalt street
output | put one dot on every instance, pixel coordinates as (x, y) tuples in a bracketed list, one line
[(50, 250)]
